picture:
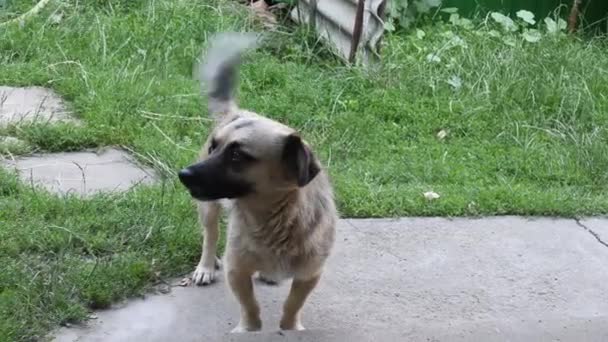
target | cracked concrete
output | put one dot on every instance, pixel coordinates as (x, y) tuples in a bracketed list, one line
[(596, 226), (431, 279)]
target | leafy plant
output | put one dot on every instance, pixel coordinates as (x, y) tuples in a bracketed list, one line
[(527, 27), (403, 13)]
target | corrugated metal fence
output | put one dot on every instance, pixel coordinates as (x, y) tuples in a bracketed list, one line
[(354, 27)]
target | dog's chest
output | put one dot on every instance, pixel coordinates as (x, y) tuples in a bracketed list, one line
[(279, 242), (275, 251)]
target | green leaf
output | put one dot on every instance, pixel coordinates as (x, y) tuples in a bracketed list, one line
[(433, 3), (466, 23), (449, 10), (551, 25), (507, 23), (532, 36), (555, 27), (509, 40), (454, 18), (389, 26), (422, 6), (403, 4), (494, 33), (526, 16)]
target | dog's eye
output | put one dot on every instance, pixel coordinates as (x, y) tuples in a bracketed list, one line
[(237, 157)]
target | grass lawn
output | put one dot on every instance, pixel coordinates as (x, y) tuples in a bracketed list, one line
[(527, 134)]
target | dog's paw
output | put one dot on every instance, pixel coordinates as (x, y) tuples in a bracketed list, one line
[(256, 325), (241, 329), (205, 275), (291, 325)]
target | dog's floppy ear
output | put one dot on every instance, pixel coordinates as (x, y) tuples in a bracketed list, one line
[(299, 161)]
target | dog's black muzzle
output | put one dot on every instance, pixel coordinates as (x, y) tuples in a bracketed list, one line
[(211, 180)]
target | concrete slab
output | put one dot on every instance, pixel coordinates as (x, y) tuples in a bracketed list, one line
[(597, 226), (83, 173), (28, 104), (431, 279)]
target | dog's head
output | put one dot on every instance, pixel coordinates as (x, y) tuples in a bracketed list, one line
[(251, 156)]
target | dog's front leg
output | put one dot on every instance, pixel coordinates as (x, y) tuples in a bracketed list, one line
[(300, 289), (242, 286), (209, 217)]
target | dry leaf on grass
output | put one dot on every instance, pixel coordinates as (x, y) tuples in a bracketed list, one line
[(431, 195), (262, 11), (56, 18), (186, 282)]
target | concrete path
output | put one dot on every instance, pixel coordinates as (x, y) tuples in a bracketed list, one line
[(31, 104), (82, 173), (495, 279)]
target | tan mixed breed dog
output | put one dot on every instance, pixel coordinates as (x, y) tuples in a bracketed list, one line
[(281, 211)]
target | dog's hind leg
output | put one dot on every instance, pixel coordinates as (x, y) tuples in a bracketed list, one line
[(300, 289), (209, 216)]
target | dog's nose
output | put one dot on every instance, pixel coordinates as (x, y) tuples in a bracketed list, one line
[(185, 174)]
